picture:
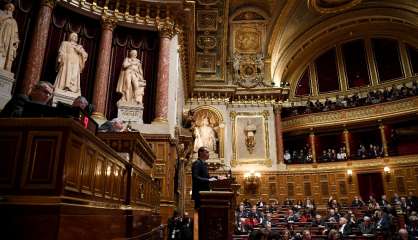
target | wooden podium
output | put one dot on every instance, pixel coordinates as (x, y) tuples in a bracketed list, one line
[(216, 214)]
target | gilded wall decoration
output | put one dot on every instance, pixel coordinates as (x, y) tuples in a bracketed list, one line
[(206, 63), (332, 6), (250, 138), (211, 29), (247, 43), (207, 20), (247, 39), (248, 70), (206, 42)]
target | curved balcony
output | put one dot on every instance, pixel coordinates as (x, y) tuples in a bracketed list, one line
[(354, 115)]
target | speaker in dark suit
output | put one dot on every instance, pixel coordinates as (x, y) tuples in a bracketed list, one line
[(200, 175)]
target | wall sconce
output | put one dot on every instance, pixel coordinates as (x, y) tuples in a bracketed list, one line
[(251, 181), (386, 172), (350, 175)]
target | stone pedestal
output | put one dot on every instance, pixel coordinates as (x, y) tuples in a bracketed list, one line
[(130, 113), (64, 97), (6, 84)]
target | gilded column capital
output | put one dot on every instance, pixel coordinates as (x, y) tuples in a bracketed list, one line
[(167, 30), (277, 108), (48, 3), (109, 23)]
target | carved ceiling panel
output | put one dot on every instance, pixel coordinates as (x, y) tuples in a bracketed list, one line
[(210, 37), (247, 47)]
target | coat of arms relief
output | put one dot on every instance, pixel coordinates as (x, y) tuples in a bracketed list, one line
[(248, 30)]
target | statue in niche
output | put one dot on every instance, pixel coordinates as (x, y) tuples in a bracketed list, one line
[(250, 130), (131, 83), (9, 37), (205, 136), (71, 60)]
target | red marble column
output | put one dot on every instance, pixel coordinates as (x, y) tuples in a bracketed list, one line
[(37, 48), (161, 104), (279, 133), (103, 68)]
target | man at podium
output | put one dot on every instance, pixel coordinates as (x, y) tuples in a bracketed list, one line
[(200, 175)]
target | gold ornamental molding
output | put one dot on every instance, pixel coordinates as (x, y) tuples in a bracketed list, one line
[(145, 14), (332, 6), (354, 115), (264, 115)]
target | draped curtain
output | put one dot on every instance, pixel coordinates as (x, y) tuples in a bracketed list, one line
[(147, 45)]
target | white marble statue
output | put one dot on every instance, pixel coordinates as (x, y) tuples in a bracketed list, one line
[(204, 136), (71, 60), (131, 83), (9, 37)]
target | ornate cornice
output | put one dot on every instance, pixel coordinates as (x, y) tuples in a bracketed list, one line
[(354, 115), (145, 14)]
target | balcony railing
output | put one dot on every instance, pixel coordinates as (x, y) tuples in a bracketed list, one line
[(353, 115)]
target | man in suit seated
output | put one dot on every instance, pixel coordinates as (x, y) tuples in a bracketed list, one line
[(344, 227), (318, 221), (40, 94), (367, 227)]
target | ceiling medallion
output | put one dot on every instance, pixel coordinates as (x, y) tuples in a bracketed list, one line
[(331, 6)]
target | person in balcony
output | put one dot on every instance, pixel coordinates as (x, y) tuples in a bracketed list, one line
[(341, 156), (361, 152), (324, 157), (294, 156), (287, 158), (318, 106)]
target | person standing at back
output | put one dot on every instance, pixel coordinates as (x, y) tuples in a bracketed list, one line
[(200, 175)]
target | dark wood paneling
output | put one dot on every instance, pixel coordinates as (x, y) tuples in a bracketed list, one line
[(41, 160), (10, 144)]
